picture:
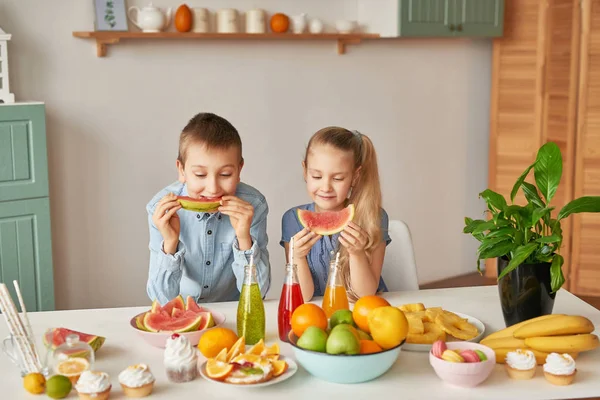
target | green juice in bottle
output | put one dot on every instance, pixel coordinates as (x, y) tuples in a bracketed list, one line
[(251, 310)]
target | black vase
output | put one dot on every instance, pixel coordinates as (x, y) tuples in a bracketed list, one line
[(525, 292)]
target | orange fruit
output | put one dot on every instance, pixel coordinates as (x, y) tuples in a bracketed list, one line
[(258, 348), (217, 369), (273, 350), (280, 23), (216, 339), (363, 307), (183, 18), (369, 346), (307, 315), (279, 367), (388, 326), (239, 347)]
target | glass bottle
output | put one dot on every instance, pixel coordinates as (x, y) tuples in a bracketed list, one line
[(291, 298), (251, 310), (335, 297), (71, 358)]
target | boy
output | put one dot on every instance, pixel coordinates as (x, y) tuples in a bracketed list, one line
[(203, 254)]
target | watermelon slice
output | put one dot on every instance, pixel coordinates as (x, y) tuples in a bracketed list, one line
[(56, 336), (191, 305), (327, 222), (177, 303), (206, 204), (139, 322), (159, 322)]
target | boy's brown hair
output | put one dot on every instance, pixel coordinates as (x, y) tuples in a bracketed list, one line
[(211, 130)]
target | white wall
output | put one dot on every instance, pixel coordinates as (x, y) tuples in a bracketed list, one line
[(113, 124)]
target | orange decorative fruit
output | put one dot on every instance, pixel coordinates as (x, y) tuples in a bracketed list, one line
[(280, 23), (388, 326), (214, 340), (307, 315), (363, 307), (369, 346), (183, 18)]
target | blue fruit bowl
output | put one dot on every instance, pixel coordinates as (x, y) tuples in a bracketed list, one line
[(343, 368)]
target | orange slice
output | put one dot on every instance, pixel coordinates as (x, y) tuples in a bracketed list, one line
[(72, 366), (238, 348), (222, 356), (272, 357), (272, 350), (258, 348), (279, 367), (218, 370)]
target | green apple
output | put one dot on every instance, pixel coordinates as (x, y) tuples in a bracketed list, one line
[(342, 340), (341, 317), (313, 338)]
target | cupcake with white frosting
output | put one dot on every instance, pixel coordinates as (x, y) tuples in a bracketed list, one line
[(520, 364), (180, 359), (559, 369), (137, 381), (93, 385)]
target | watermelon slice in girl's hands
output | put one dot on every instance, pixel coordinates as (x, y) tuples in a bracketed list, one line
[(56, 336), (327, 222)]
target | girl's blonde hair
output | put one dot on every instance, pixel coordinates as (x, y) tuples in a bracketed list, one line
[(365, 192)]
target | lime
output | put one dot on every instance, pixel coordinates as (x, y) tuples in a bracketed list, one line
[(58, 387), (34, 383), (313, 338)]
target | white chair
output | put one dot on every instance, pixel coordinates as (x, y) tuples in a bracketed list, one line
[(399, 267)]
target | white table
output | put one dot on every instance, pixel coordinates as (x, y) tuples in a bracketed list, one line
[(410, 378)]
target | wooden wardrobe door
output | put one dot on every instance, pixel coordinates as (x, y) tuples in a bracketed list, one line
[(516, 101), (585, 259), (559, 101)]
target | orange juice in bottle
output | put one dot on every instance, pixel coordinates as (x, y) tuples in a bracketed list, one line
[(335, 297)]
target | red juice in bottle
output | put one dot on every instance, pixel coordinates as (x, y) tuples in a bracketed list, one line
[(291, 298)]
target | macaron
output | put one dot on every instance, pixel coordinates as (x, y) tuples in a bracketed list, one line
[(438, 348), (470, 356), (452, 356), (481, 354)]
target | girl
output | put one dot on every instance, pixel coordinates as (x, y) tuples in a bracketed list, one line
[(340, 167)]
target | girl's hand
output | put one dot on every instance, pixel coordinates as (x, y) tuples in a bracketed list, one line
[(304, 241), (353, 238), (167, 221), (240, 215)]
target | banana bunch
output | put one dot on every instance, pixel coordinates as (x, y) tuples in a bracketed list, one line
[(555, 333)]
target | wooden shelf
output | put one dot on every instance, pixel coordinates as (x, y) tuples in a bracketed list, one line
[(103, 38)]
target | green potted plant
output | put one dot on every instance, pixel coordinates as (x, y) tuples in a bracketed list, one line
[(526, 239)]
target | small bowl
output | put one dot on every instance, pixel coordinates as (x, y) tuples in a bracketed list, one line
[(345, 26), (464, 374), (344, 368), (159, 339)]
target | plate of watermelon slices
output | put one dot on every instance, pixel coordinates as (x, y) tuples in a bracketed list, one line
[(177, 316)]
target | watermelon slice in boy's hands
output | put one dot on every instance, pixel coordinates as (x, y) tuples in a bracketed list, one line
[(205, 204), (56, 336), (327, 222)]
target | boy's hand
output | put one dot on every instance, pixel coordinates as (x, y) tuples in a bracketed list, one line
[(304, 241), (353, 238), (167, 222), (240, 214)]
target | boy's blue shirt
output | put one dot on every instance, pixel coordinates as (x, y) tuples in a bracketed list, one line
[(208, 264)]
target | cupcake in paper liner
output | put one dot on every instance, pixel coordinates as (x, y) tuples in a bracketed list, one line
[(180, 359)]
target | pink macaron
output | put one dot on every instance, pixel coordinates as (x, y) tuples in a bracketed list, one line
[(470, 356), (438, 348)]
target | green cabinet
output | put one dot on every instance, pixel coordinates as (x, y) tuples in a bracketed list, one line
[(25, 232), (450, 18)]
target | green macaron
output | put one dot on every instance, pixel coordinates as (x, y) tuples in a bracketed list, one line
[(481, 355)]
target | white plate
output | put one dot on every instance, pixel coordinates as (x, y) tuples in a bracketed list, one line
[(426, 347), (292, 368)]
